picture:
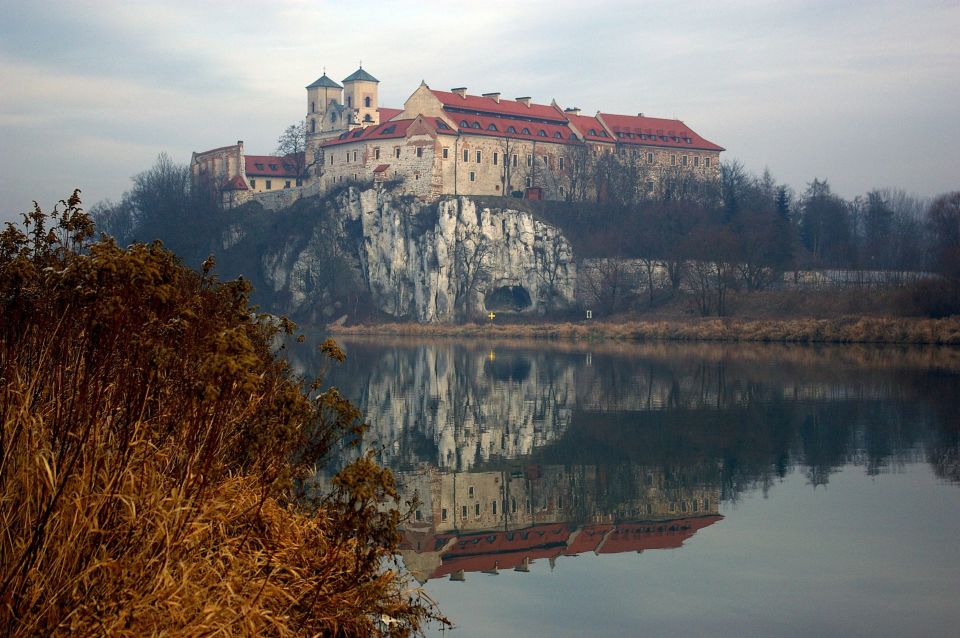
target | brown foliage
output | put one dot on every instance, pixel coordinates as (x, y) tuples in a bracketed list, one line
[(149, 448)]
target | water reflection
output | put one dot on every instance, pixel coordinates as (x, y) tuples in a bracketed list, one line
[(525, 452), (484, 521)]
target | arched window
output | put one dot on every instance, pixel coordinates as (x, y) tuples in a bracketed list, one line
[(313, 126), (475, 124), (558, 135), (313, 107), (542, 133), (349, 101), (510, 129), (492, 127), (366, 101), (367, 118), (464, 124), (592, 132), (525, 131)]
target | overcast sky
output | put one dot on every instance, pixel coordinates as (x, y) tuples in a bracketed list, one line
[(863, 93)]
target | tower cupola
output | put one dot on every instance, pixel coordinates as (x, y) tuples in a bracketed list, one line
[(360, 94)]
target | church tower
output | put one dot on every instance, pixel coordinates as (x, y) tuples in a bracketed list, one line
[(360, 94), (320, 95)]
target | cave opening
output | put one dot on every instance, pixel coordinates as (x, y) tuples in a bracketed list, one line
[(508, 299)]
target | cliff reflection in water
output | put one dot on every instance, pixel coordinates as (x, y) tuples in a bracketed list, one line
[(625, 447)]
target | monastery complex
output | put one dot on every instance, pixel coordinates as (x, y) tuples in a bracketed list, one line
[(455, 143)]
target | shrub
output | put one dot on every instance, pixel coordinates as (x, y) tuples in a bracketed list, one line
[(151, 442), (930, 298)]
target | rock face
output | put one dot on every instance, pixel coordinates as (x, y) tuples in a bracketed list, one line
[(438, 262)]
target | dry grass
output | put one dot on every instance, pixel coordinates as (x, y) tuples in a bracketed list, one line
[(150, 445), (894, 330)]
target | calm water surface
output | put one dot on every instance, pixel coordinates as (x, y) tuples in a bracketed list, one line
[(616, 489)]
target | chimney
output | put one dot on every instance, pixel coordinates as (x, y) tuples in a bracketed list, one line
[(573, 110), (461, 91), (494, 96), (524, 100)]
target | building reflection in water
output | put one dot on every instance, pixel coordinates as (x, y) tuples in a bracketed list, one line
[(484, 521), (518, 454)]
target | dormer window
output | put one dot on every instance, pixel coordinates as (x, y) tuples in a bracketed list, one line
[(443, 125), (542, 133), (259, 166), (358, 132), (390, 129), (511, 129), (464, 124), (592, 132), (475, 124), (273, 167), (603, 133), (492, 127), (558, 135), (525, 131)]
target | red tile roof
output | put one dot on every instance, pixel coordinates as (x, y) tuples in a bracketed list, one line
[(489, 105), (655, 131), (270, 166), (381, 168), (387, 131), (383, 131), (387, 113), (586, 123), (482, 551), (235, 183), (480, 125)]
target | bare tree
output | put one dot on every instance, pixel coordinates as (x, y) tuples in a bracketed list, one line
[(712, 270), (580, 172), (610, 283), (292, 145), (471, 269), (549, 255), (509, 164), (943, 218)]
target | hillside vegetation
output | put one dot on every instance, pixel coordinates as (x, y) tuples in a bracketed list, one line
[(154, 454)]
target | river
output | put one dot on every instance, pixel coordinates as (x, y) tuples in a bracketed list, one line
[(579, 489)]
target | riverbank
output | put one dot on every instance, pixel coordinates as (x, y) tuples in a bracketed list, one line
[(851, 329)]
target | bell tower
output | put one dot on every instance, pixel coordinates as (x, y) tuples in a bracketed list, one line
[(320, 95), (360, 94)]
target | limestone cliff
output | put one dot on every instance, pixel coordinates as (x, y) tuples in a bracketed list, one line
[(430, 262)]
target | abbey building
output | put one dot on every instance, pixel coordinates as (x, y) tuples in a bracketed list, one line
[(455, 143)]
